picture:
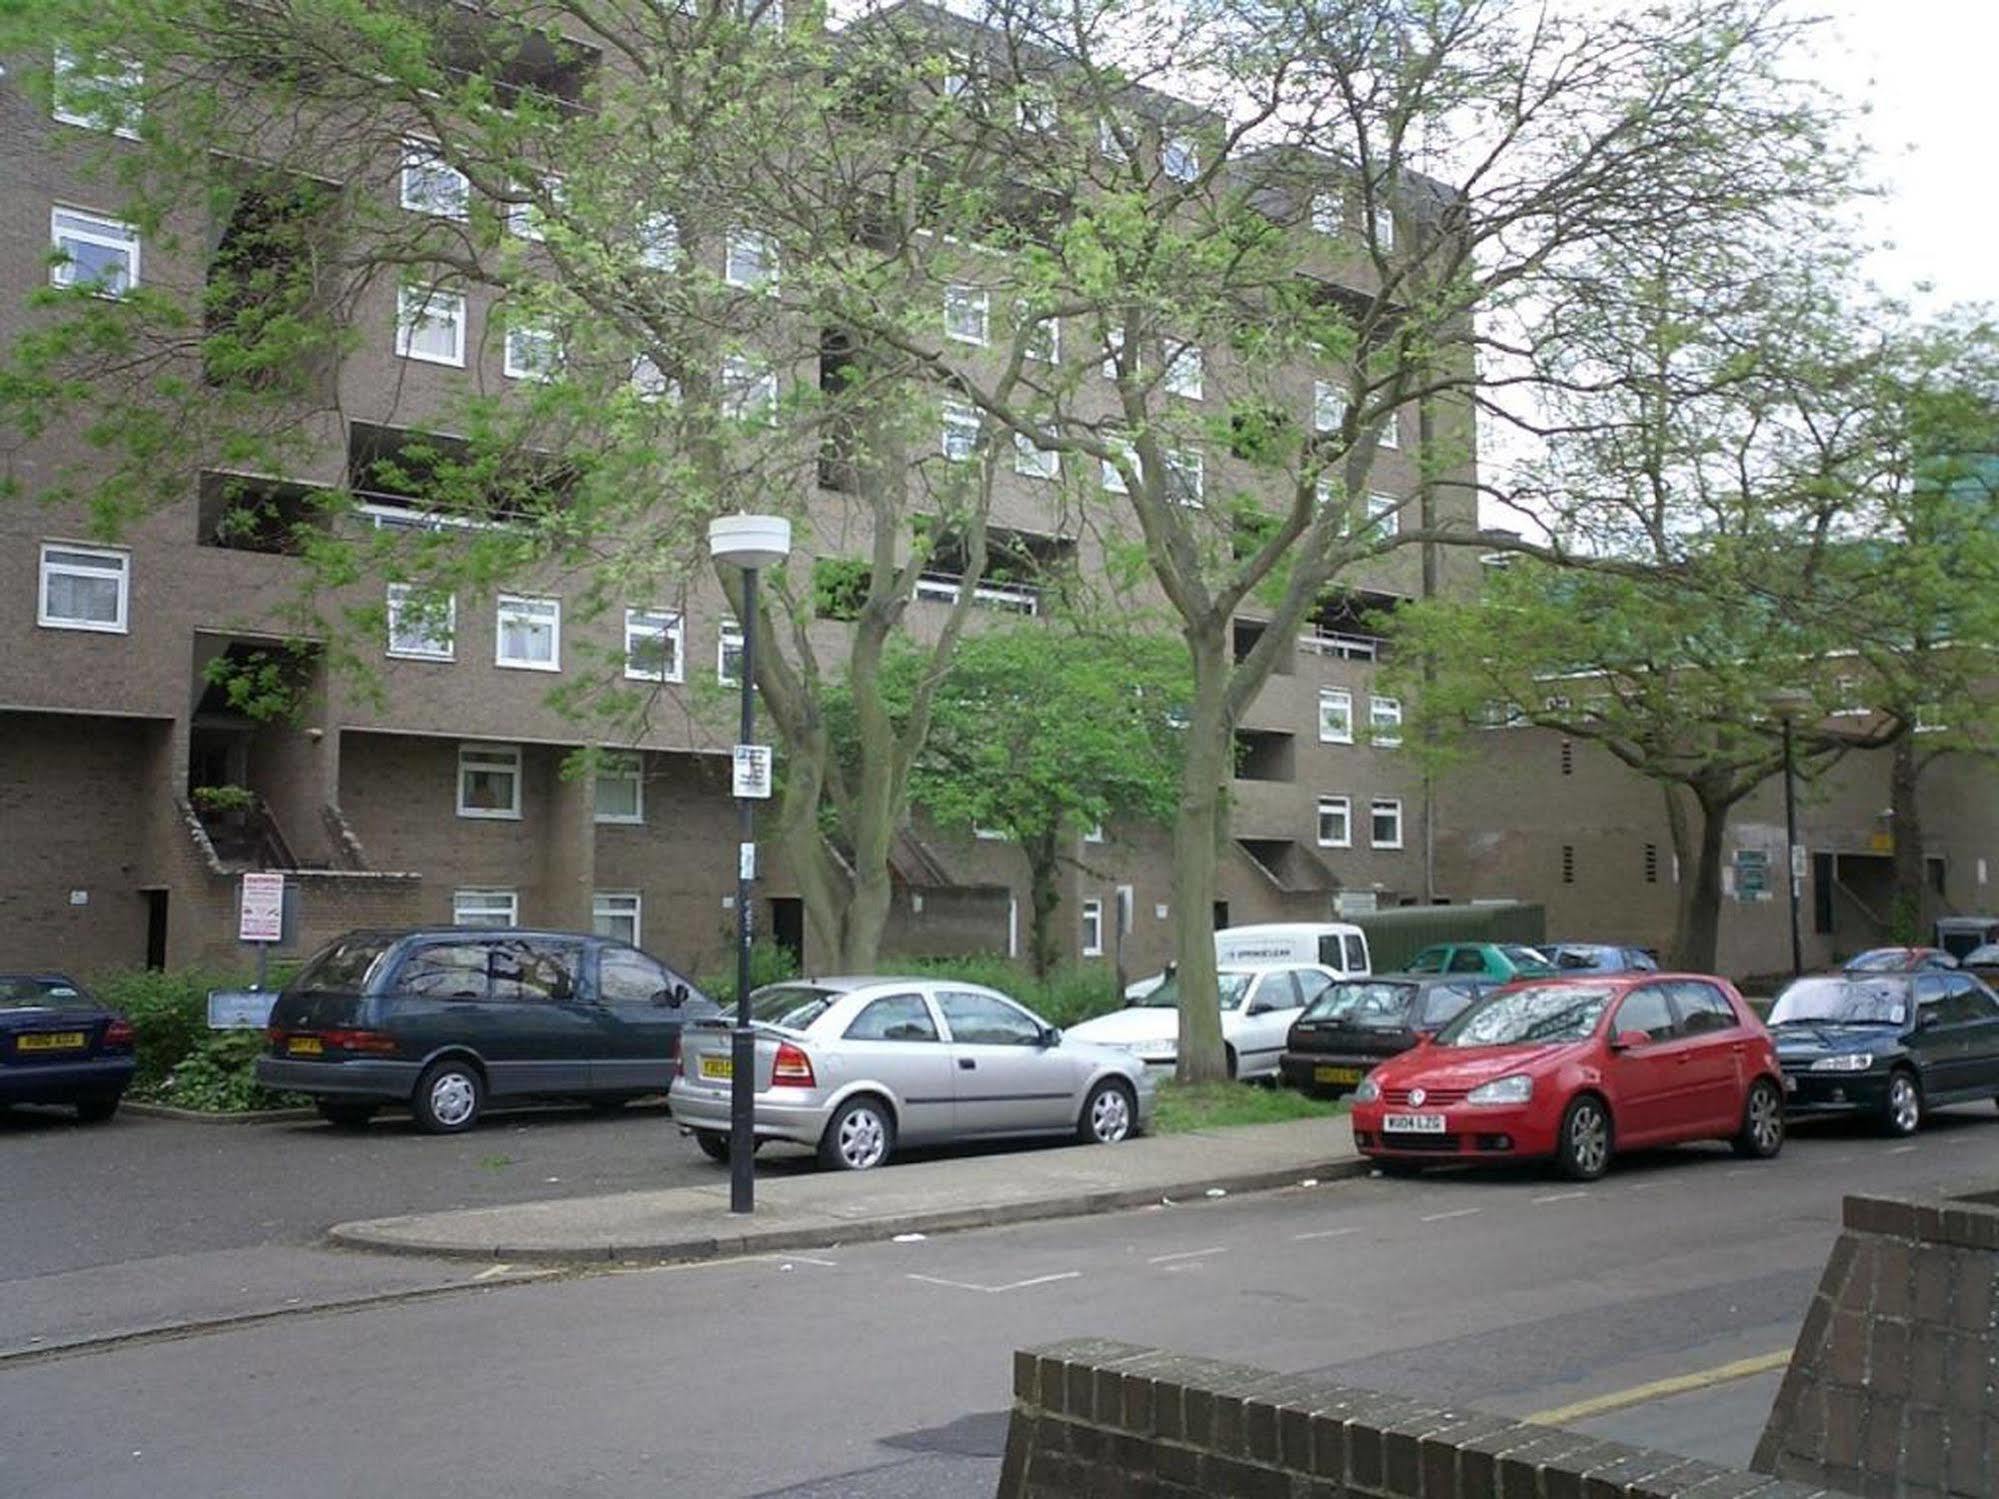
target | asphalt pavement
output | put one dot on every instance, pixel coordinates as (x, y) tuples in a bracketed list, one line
[(882, 1370)]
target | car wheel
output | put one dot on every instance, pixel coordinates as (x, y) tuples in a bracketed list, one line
[(1110, 1114), (448, 1097), (858, 1137), (97, 1108), (1762, 1132), (344, 1114), (1583, 1152), (1902, 1110), (714, 1144)]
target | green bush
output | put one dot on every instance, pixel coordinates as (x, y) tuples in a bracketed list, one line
[(1070, 994), (769, 964), (216, 1076), (168, 1011)]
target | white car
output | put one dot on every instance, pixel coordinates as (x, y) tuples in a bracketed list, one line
[(1338, 945), (1258, 1006)]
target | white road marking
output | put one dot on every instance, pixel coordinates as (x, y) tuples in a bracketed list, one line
[(1459, 1213), (803, 1259), (1560, 1197), (1187, 1254), (1323, 1233), (1018, 1285), (1739, 1171), (496, 1270), (1901, 1150)]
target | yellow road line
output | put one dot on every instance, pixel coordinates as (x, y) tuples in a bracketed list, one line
[(1659, 1389)]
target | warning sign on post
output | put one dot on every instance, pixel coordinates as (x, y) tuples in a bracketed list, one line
[(260, 911), (753, 771)]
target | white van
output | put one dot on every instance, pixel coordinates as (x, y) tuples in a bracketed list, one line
[(1338, 945)]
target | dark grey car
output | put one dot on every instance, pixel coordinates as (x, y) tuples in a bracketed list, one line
[(444, 1019)]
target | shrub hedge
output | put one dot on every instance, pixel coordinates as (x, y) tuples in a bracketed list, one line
[(1069, 994), (180, 1060)]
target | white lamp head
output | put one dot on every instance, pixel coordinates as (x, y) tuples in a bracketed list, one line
[(749, 540)]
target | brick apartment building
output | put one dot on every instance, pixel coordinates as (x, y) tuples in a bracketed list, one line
[(442, 797)]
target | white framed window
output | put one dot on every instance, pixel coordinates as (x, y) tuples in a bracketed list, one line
[(1109, 146), (1335, 715), (1385, 822), (749, 391), (1326, 491), (485, 908), (1384, 720), (750, 260), (659, 242), (1391, 432), (652, 384), (1093, 929), (1384, 229), (962, 72), (1113, 473), (1327, 215), (1034, 108), (422, 627), (1034, 461), (1180, 158), (989, 835), (84, 588), (619, 790), (105, 97), (431, 185), (1846, 694), (1094, 833), (961, 432), (430, 325), (1114, 351), (966, 314), (98, 254), (529, 220), (1329, 406), (1186, 371), (729, 655), (1335, 822), (527, 633), (653, 642), (1186, 478), (489, 780), (1043, 340), (1384, 514), (615, 914), (531, 354)]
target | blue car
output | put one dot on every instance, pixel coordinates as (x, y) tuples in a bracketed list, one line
[(1599, 957), (60, 1046)]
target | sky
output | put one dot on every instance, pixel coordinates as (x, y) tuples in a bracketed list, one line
[(1924, 71)]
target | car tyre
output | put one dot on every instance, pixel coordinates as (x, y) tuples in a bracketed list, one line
[(343, 1114), (714, 1144), (1902, 1109), (448, 1098), (1110, 1114), (97, 1108), (1762, 1132), (859, 1137), (1582, 1152)]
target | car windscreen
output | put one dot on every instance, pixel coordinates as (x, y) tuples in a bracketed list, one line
[(27, 991), (1842, 1001), (1982, 957), (792, 1006), (1526, 957), (1167, 996), (1883, 960), (1576, 955), (1365, 1006), (1535, 1014), (1429, 960), (347, 966)]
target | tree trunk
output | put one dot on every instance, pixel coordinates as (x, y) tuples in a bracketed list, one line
[(1699, 942), (1044, 898), (1685, 856), (1197, 830), (1908, 916), (867, 918)]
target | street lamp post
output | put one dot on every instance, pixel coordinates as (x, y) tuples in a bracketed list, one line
[(1787, 703), (749, 542)]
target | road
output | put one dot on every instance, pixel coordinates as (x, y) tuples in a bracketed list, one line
[(882, 1370)]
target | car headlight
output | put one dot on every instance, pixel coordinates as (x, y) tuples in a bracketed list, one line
[(1367, 1092), (1858, 1061), (1515, 1089)]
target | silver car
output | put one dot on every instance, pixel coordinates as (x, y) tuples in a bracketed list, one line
[(855, 1066)]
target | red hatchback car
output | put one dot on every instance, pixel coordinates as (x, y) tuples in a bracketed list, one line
[(1571, 1070)]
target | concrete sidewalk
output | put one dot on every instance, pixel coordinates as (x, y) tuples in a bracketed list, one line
[(824, 1208)]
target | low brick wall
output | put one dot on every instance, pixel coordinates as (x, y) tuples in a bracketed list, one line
[(1894, 1384), (1096, 1419)]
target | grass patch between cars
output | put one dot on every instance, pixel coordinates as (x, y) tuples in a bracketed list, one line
[(1189, 1106)]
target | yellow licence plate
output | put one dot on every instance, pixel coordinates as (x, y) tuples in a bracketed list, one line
[(718, 1067), (51, 1041), (1336, 1074), (305, 1046)]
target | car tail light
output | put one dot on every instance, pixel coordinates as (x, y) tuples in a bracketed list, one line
[(793, 1068), (275, 1034), (353, 1040), (118, 1034)]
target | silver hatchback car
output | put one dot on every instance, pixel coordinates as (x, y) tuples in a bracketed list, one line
[(855, 1066)]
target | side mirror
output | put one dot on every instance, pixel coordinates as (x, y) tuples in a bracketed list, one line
[(1626, 1040), (1259, 1007), (1051, 1035), (1425, 1037), (1928, 1019)]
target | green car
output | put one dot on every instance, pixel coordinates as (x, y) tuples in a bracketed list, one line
[(1504, 961)]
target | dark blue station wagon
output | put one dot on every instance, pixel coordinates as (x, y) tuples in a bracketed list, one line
[(446, 1019)]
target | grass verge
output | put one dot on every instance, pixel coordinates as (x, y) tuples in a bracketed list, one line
[(1184, 1106)]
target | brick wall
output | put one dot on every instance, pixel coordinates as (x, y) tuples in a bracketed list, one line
[(1094, 1418)]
